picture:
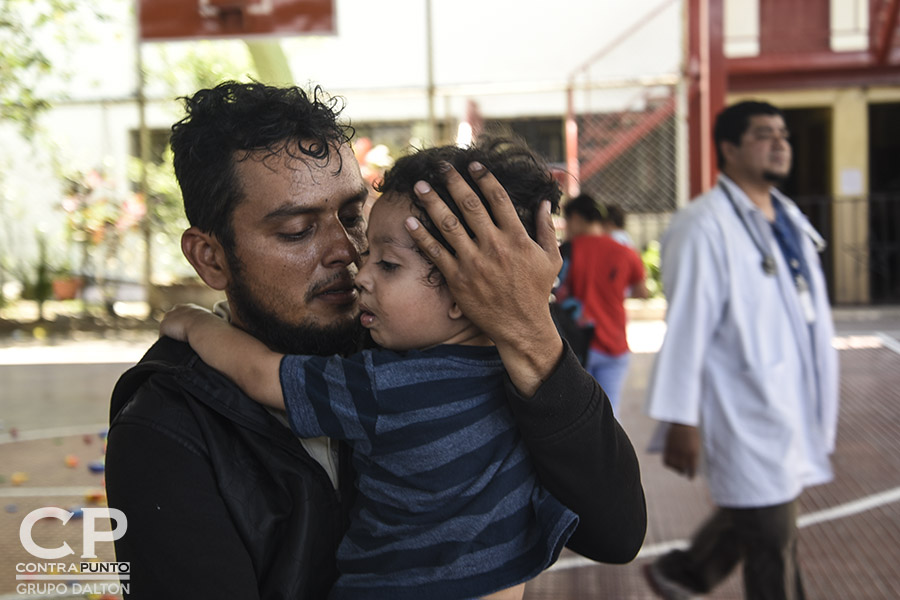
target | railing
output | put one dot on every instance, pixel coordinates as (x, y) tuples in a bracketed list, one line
[(863, 237)]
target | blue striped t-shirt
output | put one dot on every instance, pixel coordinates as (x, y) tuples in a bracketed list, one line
[(449, 506)]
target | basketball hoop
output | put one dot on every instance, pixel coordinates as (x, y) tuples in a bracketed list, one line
[(212, 9), (163, 20)]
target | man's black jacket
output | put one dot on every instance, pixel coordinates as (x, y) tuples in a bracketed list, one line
[(223, 501)]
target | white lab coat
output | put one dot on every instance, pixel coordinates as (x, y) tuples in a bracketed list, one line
[(739, 359)]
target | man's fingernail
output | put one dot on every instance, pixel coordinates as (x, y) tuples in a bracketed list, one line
[(411, 223), (422, 187), (476, 166), (443, 166)]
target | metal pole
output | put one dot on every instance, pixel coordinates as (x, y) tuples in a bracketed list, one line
[(572, 163), (682, 91), (144, 143), (429, 57)]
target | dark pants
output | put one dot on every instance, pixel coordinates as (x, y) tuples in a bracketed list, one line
[(765, 539)]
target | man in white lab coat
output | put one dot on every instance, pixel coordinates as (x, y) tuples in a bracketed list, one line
[(746, 379)]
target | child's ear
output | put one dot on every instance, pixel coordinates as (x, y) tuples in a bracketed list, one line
[(454, 312)]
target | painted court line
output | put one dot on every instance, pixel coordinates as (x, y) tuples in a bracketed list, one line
[(888, 342), (44, 492), (829, 514), (75, 353), (52, 432), (850, 508)]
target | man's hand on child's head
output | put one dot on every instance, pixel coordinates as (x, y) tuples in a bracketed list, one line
[(500, 273), (501, 278), (177, 322)]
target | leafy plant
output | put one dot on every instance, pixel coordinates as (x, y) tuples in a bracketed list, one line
[(98, 216), (165, 206), (28, 31), (650, 257), (37, 282)]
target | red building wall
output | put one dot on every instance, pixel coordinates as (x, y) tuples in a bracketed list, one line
[(788, 26)]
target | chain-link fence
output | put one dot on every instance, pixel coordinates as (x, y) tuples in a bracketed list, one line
[(618, 141), (626, 141), (862, 243)]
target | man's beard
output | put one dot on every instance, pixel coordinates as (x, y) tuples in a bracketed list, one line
[(287, 338), (775, 178)]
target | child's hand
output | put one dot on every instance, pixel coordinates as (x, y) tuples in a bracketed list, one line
[(177, 322)]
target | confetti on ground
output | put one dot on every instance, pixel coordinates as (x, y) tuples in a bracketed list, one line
[(95, 496), (18, 478), (71, 461)]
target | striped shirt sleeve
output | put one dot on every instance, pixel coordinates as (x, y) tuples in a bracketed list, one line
[(330, 395)]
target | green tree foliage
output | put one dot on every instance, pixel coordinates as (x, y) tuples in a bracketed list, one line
[(26, 27), (29, 29), (181, 69)]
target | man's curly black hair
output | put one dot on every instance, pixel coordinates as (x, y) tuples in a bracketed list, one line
[(522, 173), (227, 123)]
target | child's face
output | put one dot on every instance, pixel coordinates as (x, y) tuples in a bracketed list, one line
[(400, 307)]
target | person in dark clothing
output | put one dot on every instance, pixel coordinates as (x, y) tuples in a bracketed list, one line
[(222, 500), (448, 505)]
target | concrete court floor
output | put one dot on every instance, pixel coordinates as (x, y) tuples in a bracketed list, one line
[(56, 399)]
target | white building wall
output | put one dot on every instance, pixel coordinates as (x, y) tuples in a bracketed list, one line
[(514, 57)]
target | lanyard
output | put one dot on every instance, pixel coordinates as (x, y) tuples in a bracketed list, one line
[(789, 240), (768, 261)]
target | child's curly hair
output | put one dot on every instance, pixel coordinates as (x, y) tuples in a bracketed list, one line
[(522, 173)]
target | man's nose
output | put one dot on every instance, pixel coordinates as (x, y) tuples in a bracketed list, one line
[(363, 279), (343, 248)]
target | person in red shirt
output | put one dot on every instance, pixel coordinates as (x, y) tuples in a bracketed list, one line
[(599, 272)]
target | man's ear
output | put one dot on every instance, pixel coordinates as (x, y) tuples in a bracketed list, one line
[(728, 151), (207, 256)]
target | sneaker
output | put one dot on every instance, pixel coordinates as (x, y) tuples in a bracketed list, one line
[(664, 587)]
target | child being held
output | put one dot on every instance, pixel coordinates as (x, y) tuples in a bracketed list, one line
[(449, 506)]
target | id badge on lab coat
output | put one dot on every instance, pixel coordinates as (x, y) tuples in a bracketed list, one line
[(806, 301)]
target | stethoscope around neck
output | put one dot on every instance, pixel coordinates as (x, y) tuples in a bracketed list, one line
[(768, 261)]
